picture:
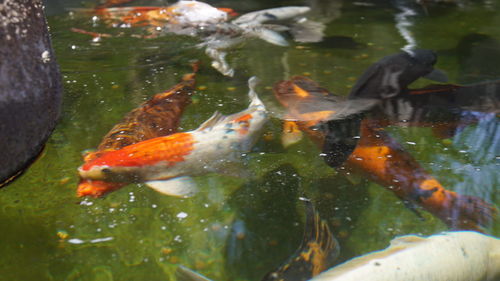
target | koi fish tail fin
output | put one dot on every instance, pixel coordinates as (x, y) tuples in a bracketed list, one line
[(252, 94), (185, 274), (470, 212), (318, 239), (307, 31)]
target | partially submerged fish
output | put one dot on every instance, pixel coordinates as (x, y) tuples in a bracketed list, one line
[(159, 116), (375, 155), (164, 163), (451, 256), (184, 13), (391, 75), (317, 252), (214, 26)]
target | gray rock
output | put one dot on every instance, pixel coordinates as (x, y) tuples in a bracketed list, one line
[(30, 85)]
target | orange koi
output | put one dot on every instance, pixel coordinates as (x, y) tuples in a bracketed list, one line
[(159, 116), (382, 160), (164, 163)]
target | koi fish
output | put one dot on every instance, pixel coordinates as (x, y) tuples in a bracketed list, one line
[(159, 116), (189, 13), (453, 256), (381, 159), (164, 163), (214, 26), (390, 76), (318, 251)]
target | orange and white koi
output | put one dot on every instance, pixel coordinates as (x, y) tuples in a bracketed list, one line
[(215, 26), (159, 116), (165, 163), (183, 13)]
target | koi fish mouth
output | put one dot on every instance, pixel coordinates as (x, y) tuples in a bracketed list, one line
[(95, 173)]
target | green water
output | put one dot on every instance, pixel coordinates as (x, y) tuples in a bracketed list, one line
[(236, 228)]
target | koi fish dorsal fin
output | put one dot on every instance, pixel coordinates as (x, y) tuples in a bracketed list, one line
[(218, 118), (215, 119), (252, 94), (178, 187)]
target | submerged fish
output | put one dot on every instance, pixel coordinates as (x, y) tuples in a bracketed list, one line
[(164, 163), (317, 252), (378, 157), (312, 109), (451, 256), (159, 116)]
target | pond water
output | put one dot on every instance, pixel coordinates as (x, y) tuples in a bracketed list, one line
[(239, 228)]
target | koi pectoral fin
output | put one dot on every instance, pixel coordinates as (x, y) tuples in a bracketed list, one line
[(270, 36), (178, 187), (185, 274)]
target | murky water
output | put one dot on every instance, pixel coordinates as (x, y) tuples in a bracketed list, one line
[(239, 228)]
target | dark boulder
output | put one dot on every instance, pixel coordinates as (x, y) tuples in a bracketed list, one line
[(30, 85)]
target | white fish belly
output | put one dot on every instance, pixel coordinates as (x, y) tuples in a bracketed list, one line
[(454, 256)]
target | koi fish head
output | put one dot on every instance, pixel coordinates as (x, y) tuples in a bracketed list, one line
[(95, 172)]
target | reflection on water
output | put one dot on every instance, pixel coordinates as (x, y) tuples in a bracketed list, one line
[(242, 228)]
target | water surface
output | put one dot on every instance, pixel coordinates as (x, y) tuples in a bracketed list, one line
[(238, 228)]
